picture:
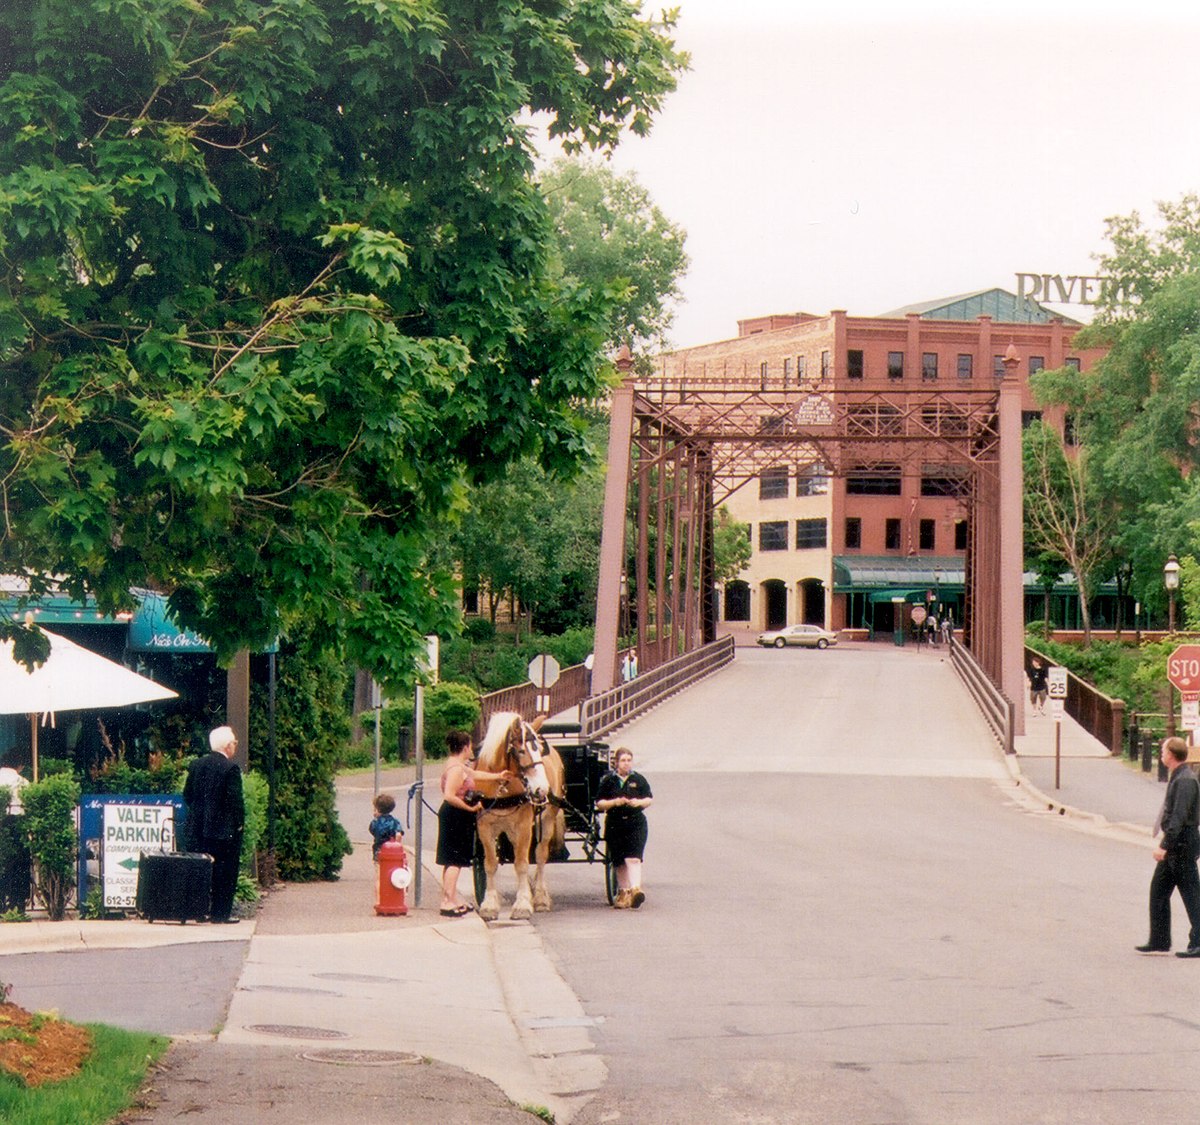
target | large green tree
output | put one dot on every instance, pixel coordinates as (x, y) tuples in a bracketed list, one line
[(611, 235), (277, 283), (1137, 413)]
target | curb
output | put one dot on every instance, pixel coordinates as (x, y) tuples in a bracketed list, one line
[(1037, 801)]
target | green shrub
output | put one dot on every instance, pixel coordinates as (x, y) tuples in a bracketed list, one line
[(361, 754), (479, 630), (448, 706), (50, 830), (311, 728), (14, 859), (162, 774), (254, 797)]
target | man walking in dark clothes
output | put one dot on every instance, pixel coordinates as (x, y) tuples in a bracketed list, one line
[(1176, 853), (215, 816)]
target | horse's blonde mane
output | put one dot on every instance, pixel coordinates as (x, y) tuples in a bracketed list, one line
[(494, 750)]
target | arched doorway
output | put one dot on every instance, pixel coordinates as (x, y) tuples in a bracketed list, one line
[(812, 601), (774, 604), (737, 600)]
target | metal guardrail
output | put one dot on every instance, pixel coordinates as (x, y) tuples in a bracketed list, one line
[(1101, 716), (996, 707), (609, 710)]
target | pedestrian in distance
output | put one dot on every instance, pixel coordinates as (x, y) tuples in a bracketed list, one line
[(384, 826), (215, 817), (1038, 687), (456, 819), (622, 796), (1176, 853)]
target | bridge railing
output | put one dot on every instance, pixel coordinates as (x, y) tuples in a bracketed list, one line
[(1101, 716), (610, 709), (996, 708)]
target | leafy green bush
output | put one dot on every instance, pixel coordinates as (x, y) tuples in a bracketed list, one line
[(254, 796), (479, 630), (50, 830), (448, 706), (311, 728), (162, 774), (500, 662), (14, 859)]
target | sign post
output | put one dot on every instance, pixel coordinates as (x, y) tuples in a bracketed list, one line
[(1056, 688), (1183, 672)]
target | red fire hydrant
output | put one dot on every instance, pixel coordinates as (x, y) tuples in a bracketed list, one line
[(394, 876)]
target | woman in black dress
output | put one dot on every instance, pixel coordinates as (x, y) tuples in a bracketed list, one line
[(456, 819), (622, 797)]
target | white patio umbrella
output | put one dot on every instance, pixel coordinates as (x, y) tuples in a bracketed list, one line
[(72, 679)]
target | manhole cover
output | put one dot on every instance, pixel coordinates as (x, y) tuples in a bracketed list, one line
[(292, 1031), (342, 1057)]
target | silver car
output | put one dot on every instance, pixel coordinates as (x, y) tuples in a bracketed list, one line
[(807, 636)]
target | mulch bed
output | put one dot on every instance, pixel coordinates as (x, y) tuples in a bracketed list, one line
[(38, 1048)]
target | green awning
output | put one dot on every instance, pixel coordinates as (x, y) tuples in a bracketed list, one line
[(896, 574)]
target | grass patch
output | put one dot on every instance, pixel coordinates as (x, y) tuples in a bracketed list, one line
[(106, 1084)]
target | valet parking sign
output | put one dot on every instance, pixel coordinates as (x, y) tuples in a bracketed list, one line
[(130, 830)]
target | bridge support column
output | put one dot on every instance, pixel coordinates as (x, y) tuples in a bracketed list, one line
[(1012, 543), (612, 536)]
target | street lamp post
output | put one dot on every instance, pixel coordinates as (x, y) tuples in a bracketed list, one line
[(1171, 582)]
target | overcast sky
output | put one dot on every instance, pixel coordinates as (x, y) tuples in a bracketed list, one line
[(887, 154)]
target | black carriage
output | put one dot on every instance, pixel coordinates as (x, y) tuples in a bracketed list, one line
[(584, 764)]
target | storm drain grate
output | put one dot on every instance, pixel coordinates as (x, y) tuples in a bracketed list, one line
[(341, 1057), (294, 1031)]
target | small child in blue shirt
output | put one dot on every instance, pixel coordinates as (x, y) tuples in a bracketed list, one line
[(384, 827)]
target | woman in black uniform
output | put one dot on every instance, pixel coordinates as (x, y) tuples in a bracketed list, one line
[(622, 796)]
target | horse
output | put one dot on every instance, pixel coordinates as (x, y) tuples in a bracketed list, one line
[(527, 809)]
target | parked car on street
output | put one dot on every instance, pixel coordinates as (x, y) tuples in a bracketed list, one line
[(807, 636)]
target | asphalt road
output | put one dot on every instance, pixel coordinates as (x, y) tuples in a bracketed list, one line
[(874, 943)]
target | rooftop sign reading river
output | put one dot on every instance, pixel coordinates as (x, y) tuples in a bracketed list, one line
[(1073, 289)]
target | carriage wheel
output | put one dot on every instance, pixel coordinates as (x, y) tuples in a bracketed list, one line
[(610, 879), (479, 876)]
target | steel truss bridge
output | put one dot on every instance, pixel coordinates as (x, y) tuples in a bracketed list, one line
[(680, 445)]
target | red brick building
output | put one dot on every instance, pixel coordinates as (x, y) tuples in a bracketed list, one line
[(836, 548)]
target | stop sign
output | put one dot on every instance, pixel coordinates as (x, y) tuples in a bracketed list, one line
[(1183, 668)]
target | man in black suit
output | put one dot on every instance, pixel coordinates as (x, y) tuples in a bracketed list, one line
[(215, 817), (1176, 853)]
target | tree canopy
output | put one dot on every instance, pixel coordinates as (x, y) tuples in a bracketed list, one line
[(1136, 413), (277, 285), (610, 235)]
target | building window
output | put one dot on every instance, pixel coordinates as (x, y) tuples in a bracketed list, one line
[(878, 480), (825, 368), (810, 534), (762, 375), (1036, 363), (1070, 437), (737, 601), (873, 419), (854, 363), (772, 535), (801, 368), (773, 484), (929, 367), (966, 366), (787, 370), (926, 534), (891, 535), (1072, 361), (960, 535), (470, 601), (853, 533), (895, 366), (812, 480), (998, 366), (1028, 417), (944, 480)]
